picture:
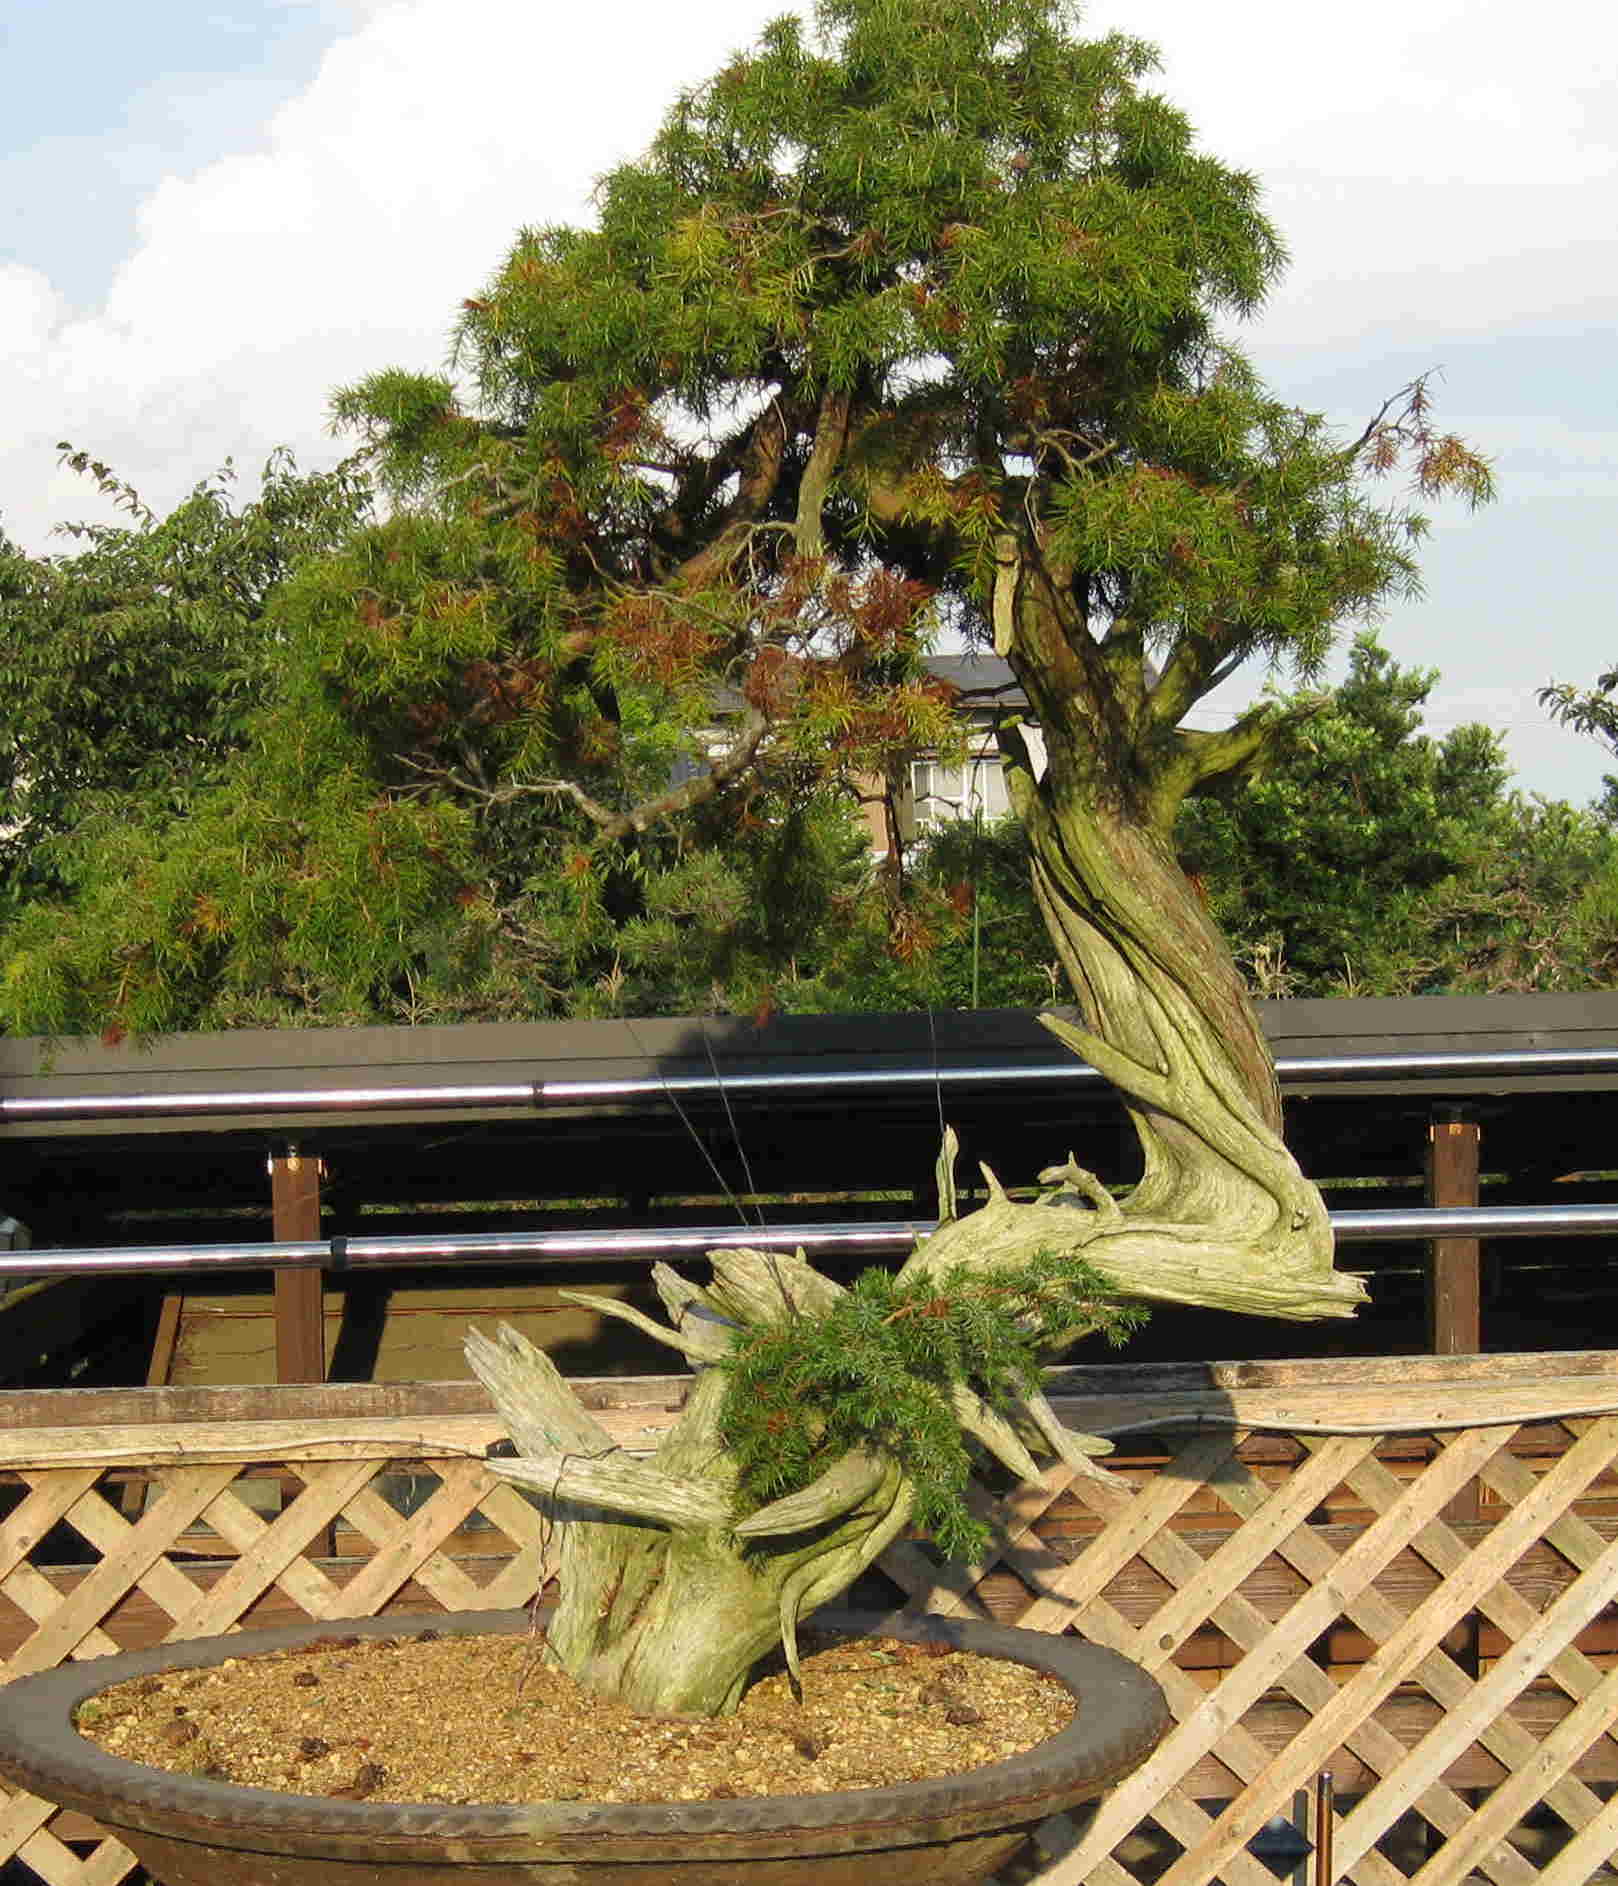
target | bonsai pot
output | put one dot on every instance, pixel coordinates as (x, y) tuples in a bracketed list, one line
[(190, 1831)]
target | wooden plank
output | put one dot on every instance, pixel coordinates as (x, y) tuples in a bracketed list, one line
[(1313, 1687), (47, 1857), (1137, 1593), (1351, 1407), (1282, 1647), (21, 1816), (538, 1550), (1451, 1687), (953, 1589), (41, 1508), (1576, 1540), (307, 1583), (408, 1548), (1415, 1638), (108, 1531), (111, 1862), (136, 1621), (39, 1600), (1405, 1719), (1454, 1288), (408, 1438), (1590, 1849), (1537, 1577), (1012, 1519), (300, 1336), (166, 1339), (1177, 1378), (113, 1407), (58, 1865), (182, 1499), (1273, 1519), (1520, 1792), (1238, 1752), (1081, 1391), (50, 1859), (1493, 1693), (277, 1547), (1132, 1520), (1249, 1628)]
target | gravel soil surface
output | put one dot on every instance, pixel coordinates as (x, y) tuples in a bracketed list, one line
[(488, 1719)]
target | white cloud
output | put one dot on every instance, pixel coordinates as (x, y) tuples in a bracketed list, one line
[(1434, 166), (30, 310), (1435, 170), (381, 195)]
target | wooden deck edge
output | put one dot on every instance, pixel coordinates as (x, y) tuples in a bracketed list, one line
[(1298, 1408), (1591, 1376)]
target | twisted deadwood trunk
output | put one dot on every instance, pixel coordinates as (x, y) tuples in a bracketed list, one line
[(667, 1599), (1222, 1217)]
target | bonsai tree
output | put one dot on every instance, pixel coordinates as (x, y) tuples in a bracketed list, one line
[(909, 323)]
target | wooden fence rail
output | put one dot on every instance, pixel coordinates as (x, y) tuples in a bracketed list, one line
[(1403, 1573)]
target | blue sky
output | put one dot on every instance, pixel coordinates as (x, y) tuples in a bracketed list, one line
[(99, 99), (211, 215)]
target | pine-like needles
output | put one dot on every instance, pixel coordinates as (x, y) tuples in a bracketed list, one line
[(877, 1369)]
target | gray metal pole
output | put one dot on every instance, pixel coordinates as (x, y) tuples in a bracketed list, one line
[(540, 1247), (1300, 1070)]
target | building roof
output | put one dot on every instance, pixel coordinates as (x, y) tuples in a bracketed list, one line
[(978, 672)]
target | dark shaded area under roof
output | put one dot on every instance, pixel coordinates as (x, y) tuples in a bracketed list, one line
[(812, 1156), (86, 1182)]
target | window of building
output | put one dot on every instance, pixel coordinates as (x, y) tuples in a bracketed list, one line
[(943, 791)]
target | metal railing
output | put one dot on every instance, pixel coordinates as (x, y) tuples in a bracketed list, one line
[(340, 1254), (1467, 1064)]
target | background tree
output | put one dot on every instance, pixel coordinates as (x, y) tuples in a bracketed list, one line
[(1592, 711), (1538, 910), (967, 933), (193, 832), (1371, 859), (1323, 870), (132, 663)]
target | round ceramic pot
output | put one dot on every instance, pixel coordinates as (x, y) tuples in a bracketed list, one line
[(188, 1831)]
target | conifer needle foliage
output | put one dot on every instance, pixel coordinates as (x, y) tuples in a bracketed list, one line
[(876, 1371)]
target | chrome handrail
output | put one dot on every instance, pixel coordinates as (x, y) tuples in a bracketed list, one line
[(340, 1254), (1297, 1070)]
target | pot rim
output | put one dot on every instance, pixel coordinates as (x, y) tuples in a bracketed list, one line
[(1121, 1715)]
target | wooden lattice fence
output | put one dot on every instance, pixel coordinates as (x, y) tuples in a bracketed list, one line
[(1404, 1573)]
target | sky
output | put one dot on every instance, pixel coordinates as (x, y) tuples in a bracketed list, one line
[(212, 215)]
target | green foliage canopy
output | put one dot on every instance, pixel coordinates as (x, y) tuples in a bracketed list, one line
[(133, 662), (1331, 857), (1372, 859), (915, 319)]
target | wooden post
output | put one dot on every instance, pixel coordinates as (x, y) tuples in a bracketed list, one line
[(1454, 1289), (300, 1337), (1455, 1306)]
